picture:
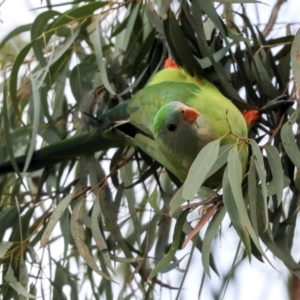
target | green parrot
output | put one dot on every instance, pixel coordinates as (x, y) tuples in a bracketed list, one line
[(184, 115), (150, 110)]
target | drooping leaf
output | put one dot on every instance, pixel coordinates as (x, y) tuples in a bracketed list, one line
[(78, 235), (276, 170), (15, 284), (176, 239), (55, 217), (288, 139), (210, 234), (200, 168), (260, 168), (295, 58)]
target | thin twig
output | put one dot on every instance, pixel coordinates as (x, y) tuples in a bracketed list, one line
[(209, 213), (276, 130), (213, 200), (273, 17)]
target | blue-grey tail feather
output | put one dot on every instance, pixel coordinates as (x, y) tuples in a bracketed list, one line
[(111, 118)]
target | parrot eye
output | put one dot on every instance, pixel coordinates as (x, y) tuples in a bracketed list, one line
[(171, 127)]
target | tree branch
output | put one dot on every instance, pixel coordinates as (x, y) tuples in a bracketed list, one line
[(273, 17)]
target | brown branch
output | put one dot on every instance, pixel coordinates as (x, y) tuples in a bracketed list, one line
[(276, 130), (204, 219), (273, 17)]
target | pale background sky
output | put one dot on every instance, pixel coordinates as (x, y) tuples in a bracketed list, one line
[(253, 281)]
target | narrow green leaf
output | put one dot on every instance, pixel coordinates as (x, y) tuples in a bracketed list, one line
[(221, 160), (96, 37), (81, 79), (126, 176), (14, 77), (79, 13), (55, 216), (154, 200), (15, 284), (6, 131), (124, 38), (176, 240), (64, 224), (200, 168), (154, 18), (162, 243), (263, 77), (252, 195), (176, 201), (195, 17), (295, 58), (209, 236), (235, 174), (23, 275), (205, 193), (4, 246), (120, 27), (77, 231), (38, 34), (268, 239), (260, 168), (35, 122), (98, 237), (15, 32), (288, 139), (57, 53), (237, 208), (208, 7), (276, 170), (171, 266), (234, 213), (187, 267), (206, 62), (182, 50)]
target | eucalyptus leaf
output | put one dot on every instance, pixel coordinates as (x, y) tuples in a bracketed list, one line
[(176, 201), (15, 284), (252, 195), (77, 231), (295, 58), (55, 216), (276, 170), (106, 181), (4, 246), (176, 239), (200, 168), (209, 237), (260, 168), (288, 140)]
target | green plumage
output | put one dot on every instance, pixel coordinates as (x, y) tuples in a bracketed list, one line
[(151, 109)]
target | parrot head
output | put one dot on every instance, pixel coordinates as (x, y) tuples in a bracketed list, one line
[(181, 132)]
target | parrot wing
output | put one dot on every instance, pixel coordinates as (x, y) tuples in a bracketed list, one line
[(143, 107)]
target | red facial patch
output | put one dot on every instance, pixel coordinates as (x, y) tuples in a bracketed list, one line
[(170, 63), (251, 117), (190, 114)]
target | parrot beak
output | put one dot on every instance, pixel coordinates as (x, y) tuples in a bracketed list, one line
[(190, 114)]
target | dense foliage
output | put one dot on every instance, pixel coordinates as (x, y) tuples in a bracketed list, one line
[(105, 210)]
